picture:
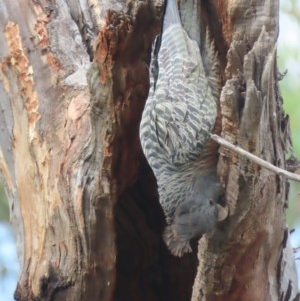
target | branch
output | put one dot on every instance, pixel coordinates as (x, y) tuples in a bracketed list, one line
[(256, 159)]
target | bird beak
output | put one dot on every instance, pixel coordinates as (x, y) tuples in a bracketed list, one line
[(222, 212)]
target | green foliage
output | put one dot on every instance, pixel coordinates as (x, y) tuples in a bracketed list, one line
[(290, 90), (288, 59), (4, 209)]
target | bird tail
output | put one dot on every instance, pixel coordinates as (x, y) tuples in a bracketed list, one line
[(171, 15)]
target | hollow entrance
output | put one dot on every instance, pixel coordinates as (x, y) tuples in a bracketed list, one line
[(146, 271)]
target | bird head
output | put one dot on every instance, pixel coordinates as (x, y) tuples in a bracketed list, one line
[(195, 216)]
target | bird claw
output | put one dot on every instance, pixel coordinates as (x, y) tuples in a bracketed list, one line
[(177, 246)]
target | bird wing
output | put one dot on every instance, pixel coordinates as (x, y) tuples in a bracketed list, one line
[(180, 100)]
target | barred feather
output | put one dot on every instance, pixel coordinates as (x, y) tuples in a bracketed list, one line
[(178, 117)]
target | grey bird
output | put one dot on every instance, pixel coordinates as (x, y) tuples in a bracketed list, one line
[(177, 120)]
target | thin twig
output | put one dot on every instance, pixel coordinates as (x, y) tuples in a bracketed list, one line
[(256, 159)]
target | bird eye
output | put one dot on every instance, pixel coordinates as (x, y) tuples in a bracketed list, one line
[(211, 203)]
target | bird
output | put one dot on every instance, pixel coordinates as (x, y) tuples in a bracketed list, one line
[(177, 120)]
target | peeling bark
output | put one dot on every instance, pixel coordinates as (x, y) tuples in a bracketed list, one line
[(249, 257), (73, 83)]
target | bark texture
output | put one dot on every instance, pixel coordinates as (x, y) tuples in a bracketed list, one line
[(73, 83), (249, 257)]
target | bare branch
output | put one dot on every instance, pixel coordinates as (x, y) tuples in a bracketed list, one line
[(255, 159)]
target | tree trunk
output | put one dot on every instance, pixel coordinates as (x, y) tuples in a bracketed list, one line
[(73, 83)]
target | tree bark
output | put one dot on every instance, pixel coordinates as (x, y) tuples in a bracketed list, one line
[(73, 83), (249, 257)]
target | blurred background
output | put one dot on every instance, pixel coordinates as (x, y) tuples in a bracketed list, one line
[(288, 59)]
